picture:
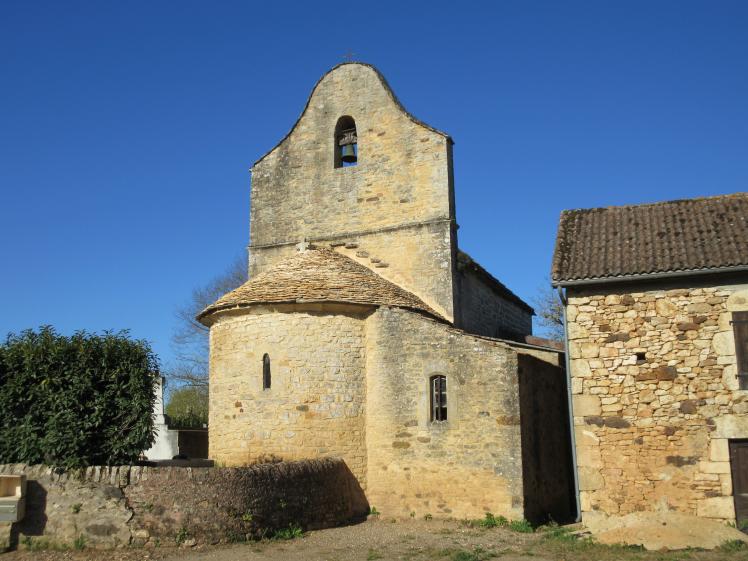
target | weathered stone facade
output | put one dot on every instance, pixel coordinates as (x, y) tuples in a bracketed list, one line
[(470, 464), (315, 405), (352, 357), (393, 211), (399, 191), (353, 382), (655, 395), (484, 312)]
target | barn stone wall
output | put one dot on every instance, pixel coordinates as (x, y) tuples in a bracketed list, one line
[(652, 430)]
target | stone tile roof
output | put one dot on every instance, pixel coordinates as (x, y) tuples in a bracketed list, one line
[(703, 234), (319, 275)]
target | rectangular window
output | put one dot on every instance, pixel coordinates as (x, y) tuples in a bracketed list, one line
[(438, 398), (740, 329)]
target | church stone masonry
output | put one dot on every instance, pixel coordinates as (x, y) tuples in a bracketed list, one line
[(364, 332)]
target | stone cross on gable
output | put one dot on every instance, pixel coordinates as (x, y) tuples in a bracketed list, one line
[(302, 246)]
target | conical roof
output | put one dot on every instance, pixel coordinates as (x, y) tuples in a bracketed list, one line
[(318, 275)]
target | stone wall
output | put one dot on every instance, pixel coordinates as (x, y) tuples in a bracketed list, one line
[(656, 397), (146, 506), (403, 178), (464, 467), (315, 405), (547, 469), (485, 312)]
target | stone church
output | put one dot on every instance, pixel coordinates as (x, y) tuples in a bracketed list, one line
[(365, 333)]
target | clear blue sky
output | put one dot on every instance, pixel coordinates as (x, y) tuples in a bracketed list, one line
[(127, 129)]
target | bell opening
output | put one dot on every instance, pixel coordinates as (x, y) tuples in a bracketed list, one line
[(346, 142)]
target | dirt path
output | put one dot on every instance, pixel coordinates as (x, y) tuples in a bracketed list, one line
[(411, 540)]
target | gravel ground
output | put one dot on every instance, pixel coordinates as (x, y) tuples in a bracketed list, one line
[(411, 540)]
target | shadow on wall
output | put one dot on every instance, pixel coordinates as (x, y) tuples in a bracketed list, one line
[(133, 505), (232, 504), (35, 520), (547, 469)]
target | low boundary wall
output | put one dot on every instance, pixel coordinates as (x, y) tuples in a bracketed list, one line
[(149, 506)]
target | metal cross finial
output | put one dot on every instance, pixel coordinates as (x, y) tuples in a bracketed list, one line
[(348, 57)]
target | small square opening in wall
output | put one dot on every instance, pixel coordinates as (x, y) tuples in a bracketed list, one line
[(641, 358)]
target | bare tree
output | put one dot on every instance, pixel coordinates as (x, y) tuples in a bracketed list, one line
[(550, 313), (190, 340)]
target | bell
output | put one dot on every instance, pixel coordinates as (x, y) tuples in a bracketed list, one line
[(348, 154)]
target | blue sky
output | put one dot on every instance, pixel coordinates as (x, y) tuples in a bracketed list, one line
[(127, 129)]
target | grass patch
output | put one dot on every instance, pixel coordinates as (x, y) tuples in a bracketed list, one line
[(733, 545), (182, 535), (491, 521), (521, 526), (477, 554), (292, 532), (559, 533), (42, 544), (373, 555)]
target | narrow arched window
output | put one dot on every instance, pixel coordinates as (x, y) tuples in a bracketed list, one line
[(265, 372), (438, 390), (346, 142)]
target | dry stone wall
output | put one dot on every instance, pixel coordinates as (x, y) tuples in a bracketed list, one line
[(146, 506), (315, 405), (656, 397)]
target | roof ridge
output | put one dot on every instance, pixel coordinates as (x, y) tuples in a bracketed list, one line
[(683, 236), (738, 194)]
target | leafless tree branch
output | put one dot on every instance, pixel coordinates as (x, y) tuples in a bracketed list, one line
[(190, 339)]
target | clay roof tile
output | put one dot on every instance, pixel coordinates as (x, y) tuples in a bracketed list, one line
[(668, 237)]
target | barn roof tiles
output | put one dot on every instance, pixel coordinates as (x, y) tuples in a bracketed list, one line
[(704, 234)]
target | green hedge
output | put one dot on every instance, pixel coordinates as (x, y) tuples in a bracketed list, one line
[(75, 401)]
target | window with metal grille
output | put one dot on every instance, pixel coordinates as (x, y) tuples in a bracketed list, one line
[(265, 372), (740, 329), (438, 398)]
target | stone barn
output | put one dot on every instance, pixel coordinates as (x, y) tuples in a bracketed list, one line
[(365, 333), (657, 324)]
